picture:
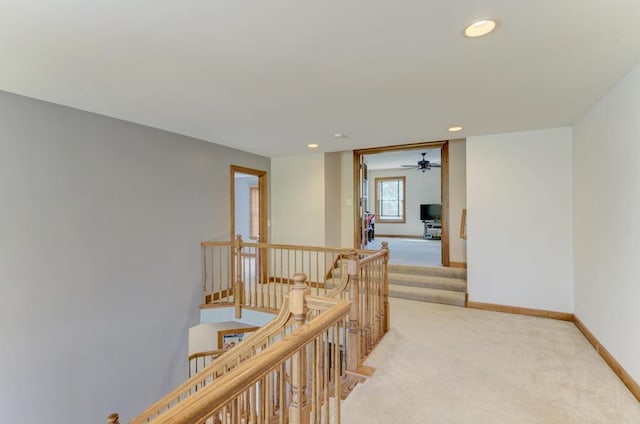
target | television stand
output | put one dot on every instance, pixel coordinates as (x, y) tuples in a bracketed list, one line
[(432, 229)]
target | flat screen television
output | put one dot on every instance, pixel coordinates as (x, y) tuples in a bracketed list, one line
[(430, 212)]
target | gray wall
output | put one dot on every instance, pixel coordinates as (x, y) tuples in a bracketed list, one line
[(100, 275)]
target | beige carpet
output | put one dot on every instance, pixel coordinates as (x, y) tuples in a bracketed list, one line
[(411, 251), (444, 364)]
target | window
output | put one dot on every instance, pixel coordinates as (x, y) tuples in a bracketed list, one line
[(254, 213), (390, 205)]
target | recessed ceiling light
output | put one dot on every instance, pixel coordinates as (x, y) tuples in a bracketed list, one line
[(480, 27), (455, 129), (312, 145), (339, 135)]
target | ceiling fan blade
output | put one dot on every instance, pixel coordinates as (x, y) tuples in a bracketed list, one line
[(435, 165), (408, 166)]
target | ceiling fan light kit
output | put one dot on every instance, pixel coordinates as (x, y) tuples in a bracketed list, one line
[(423, 164)]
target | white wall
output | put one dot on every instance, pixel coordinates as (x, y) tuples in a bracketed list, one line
[(606, 216), (204, 337), (297, 199), (100, 273), (457, 198), (346, 200), (332, 199), (421, 188), (519, 222), (312, 199)]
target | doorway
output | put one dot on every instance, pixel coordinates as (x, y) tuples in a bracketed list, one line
[(248, 204), (367, 200), (249, 216)]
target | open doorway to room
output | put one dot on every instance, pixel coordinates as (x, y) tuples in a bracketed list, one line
[(249, 213), (248, 204), (404, 200)]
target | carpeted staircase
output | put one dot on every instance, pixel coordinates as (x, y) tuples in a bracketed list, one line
[(428, 284)]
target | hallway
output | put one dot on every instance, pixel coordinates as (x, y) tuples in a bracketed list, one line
[(443, 364)]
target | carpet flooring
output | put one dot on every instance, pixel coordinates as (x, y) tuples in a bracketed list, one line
[(415, 252), (444, 364)]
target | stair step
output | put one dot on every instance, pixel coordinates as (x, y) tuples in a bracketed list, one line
[(428, 281), (422, 294), (440, 271)]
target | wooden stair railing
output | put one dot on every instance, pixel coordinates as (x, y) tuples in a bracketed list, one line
[(299, 308), (363, 282), (265, 336), (367, 280), (197, 361), (264, 272), (255, 392)]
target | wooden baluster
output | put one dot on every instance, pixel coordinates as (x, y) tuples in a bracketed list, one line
[(260, 266), (336, 370), (379, 300), (204, 275), (113, 419), (237, 289), (385, 276), (298, 409), (220, 268), (353, 358), (365, 324)]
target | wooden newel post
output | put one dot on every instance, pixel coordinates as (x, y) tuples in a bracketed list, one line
[(296, 298), (113, 419), (353, 332), (238, 286), (385, 246), (299, 411)]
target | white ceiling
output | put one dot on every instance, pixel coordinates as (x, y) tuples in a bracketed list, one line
[(271, 76)]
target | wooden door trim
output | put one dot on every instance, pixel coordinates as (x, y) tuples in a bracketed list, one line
[(444, 192), (400, 147), (444, 196), (357, 230), (262, 196)]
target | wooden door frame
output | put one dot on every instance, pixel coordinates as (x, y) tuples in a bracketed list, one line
[(262, 196), (444, 187), (261, 258)]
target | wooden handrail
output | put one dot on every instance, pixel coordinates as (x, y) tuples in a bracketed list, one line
[(372, 258), (200, 406), (333, 266), (275, 246), (288, 247), (362, 283), (207, 353), (216, 243), (212, 243), (229, 358)]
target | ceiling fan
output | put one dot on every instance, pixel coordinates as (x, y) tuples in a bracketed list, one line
[(423, 164)]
